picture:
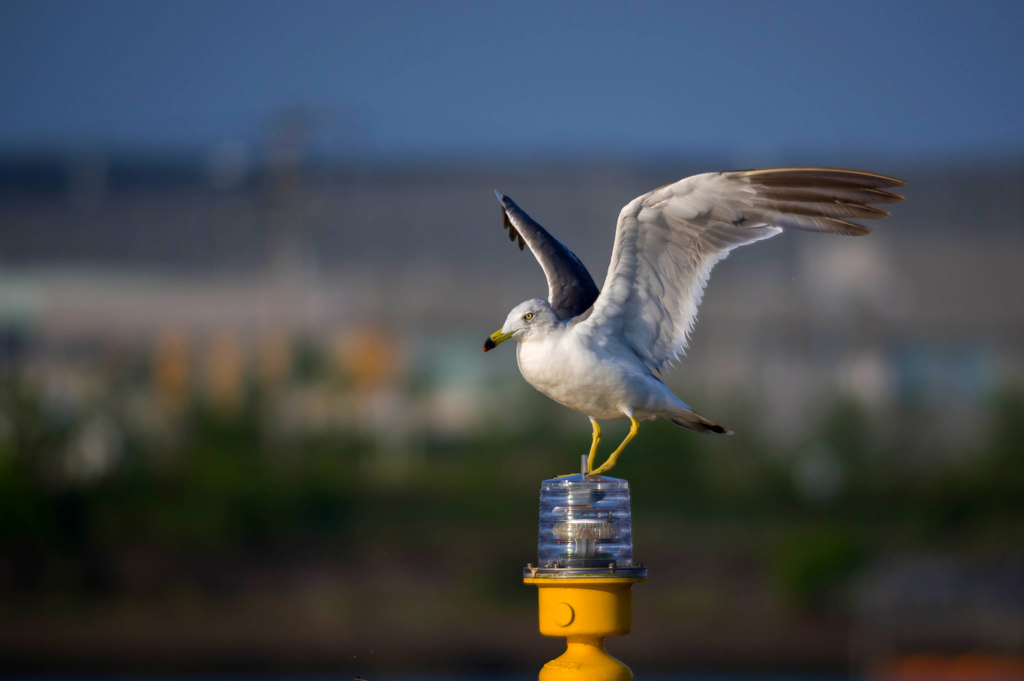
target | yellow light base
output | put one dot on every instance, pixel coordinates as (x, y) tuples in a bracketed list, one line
[(584, 611)]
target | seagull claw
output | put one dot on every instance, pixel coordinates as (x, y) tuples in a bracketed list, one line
[(613, 458)]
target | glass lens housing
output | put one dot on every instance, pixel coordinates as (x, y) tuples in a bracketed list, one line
[(584, 523)]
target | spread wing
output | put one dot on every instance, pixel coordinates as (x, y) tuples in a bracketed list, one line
[(667, 241), (571, 289)]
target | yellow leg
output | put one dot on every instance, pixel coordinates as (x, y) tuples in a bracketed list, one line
[(614, 457), (593, 445)]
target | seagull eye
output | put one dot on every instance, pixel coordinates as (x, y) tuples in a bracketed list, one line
[(528, 316)]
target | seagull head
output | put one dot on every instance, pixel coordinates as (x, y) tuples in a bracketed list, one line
[(531, 318)]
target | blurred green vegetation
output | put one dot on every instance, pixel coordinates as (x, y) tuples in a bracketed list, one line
[(203, 502)]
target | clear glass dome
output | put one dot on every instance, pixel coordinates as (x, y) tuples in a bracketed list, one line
[(585, 526)]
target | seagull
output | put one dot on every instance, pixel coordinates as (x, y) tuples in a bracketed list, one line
[(601, 352)]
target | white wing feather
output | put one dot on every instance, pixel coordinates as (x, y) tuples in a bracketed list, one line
[(668, 240)]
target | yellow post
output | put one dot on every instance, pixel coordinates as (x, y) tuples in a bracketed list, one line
[(584, 611)]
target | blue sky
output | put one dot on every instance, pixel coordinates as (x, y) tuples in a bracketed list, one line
[(528, 78)]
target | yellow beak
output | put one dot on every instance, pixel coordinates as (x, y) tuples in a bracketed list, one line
[(496, 339)]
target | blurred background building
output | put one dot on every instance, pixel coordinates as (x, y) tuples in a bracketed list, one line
[(245, 423)]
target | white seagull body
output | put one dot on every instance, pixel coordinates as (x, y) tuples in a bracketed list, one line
[(600, 353)]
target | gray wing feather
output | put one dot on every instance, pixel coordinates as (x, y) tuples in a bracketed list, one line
[(571, 289), (668, 240)]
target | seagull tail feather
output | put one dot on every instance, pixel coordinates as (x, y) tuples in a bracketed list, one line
[(691, 420)]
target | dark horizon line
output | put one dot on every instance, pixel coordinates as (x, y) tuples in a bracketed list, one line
[(257, 153)]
